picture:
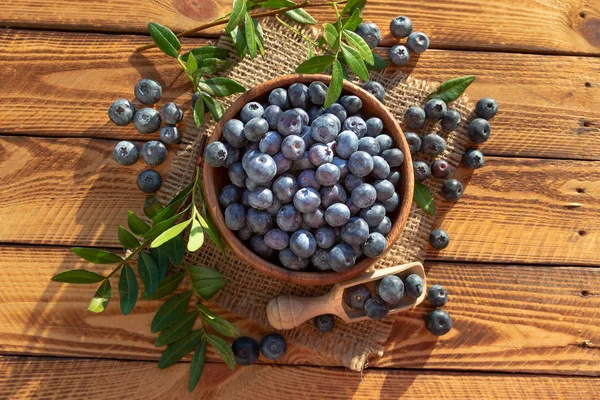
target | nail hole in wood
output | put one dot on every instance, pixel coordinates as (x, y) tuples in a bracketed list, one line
[(588, 84), (585, 293), (582, 233), (580, 190), (583, 14)]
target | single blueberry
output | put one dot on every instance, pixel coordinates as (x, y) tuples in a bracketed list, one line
[(149, 181), (385, 142), (437, 295), (473, 159), (279, 97), (237, 175), (373, 215), (315, 219), (147, 120), (486, 108), (251, 110), (364, 195), (126, 153), (374, 245), (376, 89), (452, 189), (355, 124), (303, 243), (438, 322), (421, 170), (332, 194), (303, 116), (392, 203), (338, 110), (324, 323), (229, 195), (370, 34), (317, 91), (298, 95), (384, 227), (277, 239), (479, 130), (284, 188), (257, 245), (245, 202), (346, 144), (235, 216), (451, 120), (272, 114), (153, 153), (260, 198), (439, 239), (325, 237), (147, 91), (395, 177), (354, 210), (390, 288), (307, 200), (233, 155), (259, 222), (290, 123), (440, 169), (342, 257), (413, 285), (261, 168), (171, 113), (401, 27), (308, 178), (288, 218), (376, 308), (291, 261), (414, 118), (337, 214), (417, 42), (270, 143), (320, 154), (384, 188), (273, 346), (433, 144), (414, 142), (215, 154), (352, 181), (321, 260), (121, 112), (361, 163), (250, 154), (233, 133), (435, 110), (369, 145), (283, 164), (327, 174), (256, 128), (244, 234), (394, 157), (325, 128), (292, 147), (357, 296), (170, 135), (355, 231), (351, 103), (399, 55), (273, 209), (245, 350)]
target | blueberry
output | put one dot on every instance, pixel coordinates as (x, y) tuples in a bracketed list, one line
[(257, 245), (171, 113), (401, 27), (277, 239), (313, 113), (233, 133), (438, 322), (399, 55), (272, 114), (338, 110), (303, 243), (435, 110), (259, 222), (473, 159), (153, 153), (321, 260), (486, 108), (317, 91), (384, 227), (394, 177), (414, 118), (351, 103), (369, 145), (126, 153), (390, 289), (325, 237), (325, 323), (283, 164), (439, 239), (255, 129), (451, 121), (414, 142), (298, 95), (284, 188), (279, 97), (479, 130), (384, 188), (417, 42), (215, 154), (303, 163), (121, 112), (303, 116), (170, 135), (237, 175), (437, 295), (325, 128), (332, 194), (375, 245), (251, 110), (233, 155), (356, 297), (392, 203), (235, 216), (337, 214), (149, 181), (342, 257), (355, 231), (452, 189), (147, 91), (346, 144), (370, 33), (394, 157), (376, 308), (290, 123), (308, 178), (261, 168), (249, 155), (315, 219), (260, 198), (381, 169), (291, 261), (328, 174), (364, 195), (385, 142), (244, 234), (421, 171), (376, 89), (292, 147), (440, 169), (270, 143), (361, 163), (273, 346), (373, 215), (273, 209), (147, 120), (355, 124), (229, 195), (413, 285), (307, 200), (354, 210), (245, 202), (352, 181), (246, 350), (433, 144), (320, 154)]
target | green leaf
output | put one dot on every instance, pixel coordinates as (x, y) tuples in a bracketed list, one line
[(179, 329), (207, 52), (136, 225), (206, 281), (79, 276), (238, 9), (452, 89), (96, 256), (277, 4), (311, 52), (176, 351), (355, 62), (239, 41), (423, 198), (223, 349), (378, 63), (166, 287), (223, 327), (127, 239), (171, 311), (260, 37), (196, 239), (345, 73), (359, 44), (205, 311), (148, 272), (191, 64), (352, 5), (152, 206), (301, 16), (197, 365), (199, 112), (101, 298), (164, 39), (220, 87), (250, 35), (331, 35), (315, 65), (128, 289), (161, 259), (209, 66), (176, 250), (158, 229), (170, 233), (354, 21), (171, 208), (335, 86), (216, 109)]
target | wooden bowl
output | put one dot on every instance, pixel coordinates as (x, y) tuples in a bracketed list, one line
[(214, 179)]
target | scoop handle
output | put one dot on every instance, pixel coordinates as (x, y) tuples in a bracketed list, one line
[(287, 311)]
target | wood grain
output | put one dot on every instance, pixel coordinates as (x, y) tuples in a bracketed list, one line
[(506, 318), (568, 26), (550, 106)]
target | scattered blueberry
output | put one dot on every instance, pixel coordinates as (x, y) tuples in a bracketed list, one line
[(246, 350), (440, 169), (325, 323), (479, 130), (451, 120), (437, 295), (376, 89), (452, 189), (401, 27), (417, 42), (433, 144), (147, 91), (149, 181), (370, 33), (147, 120), (153, 153), (435, 110), (169, 134), (473, 159), (414, 142), (126, 153), (273, 346), (438, 322), (398, 55), (215, 154), (121, 112), (421, 171), (486, 108), (172, 114)]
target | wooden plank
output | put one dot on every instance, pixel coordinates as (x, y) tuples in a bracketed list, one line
[(506, 318), (550, 106), (569, 26), (71, 192), (33, 378)]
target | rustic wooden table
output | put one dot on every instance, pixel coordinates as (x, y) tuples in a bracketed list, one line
[(521, 268)]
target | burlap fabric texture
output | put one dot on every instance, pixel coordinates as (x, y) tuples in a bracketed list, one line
[(247, 292)]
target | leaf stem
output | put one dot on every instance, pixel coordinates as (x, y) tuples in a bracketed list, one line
[(129, 257)]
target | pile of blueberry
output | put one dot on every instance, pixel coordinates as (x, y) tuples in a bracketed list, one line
[(247, 350), (310, 186), (146, 120)]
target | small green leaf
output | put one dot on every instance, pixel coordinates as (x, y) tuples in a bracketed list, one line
[(239, 41), (315, 65), (238, 9), (311, 52), (96, 256), (354, 21), (378, 63), (260, 37), (161, 259), (152, 206), (223, 327), (170, 233), (424, 198), (128, 289), (359, 44), (277, 4), (148, 272), (127, 239), (352, 5), (301, 16), (205, 311), (171, 311), (336, 84), (197, 364), (136, 225), (209, 66), (216, 109), (206, 281), (171, 209), (250, 35), (452, 89), (179, 329), (101, 298), (166, 287), (355, 62), (164, 39), (199, 112), (220, 87), (223, 349), (191, 64), (79, 276), (207, 52), (175, 249), (196, 239), (176, 351), (331, 35)]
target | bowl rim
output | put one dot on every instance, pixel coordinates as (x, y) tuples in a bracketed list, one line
[(278, 272)]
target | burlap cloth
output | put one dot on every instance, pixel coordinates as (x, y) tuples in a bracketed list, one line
[(247, 292)]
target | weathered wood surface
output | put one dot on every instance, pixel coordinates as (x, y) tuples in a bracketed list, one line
[(506, 318), (71, 192), (550, 106), (568, 26)]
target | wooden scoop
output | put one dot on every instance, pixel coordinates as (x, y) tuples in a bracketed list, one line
[(287, 311)]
